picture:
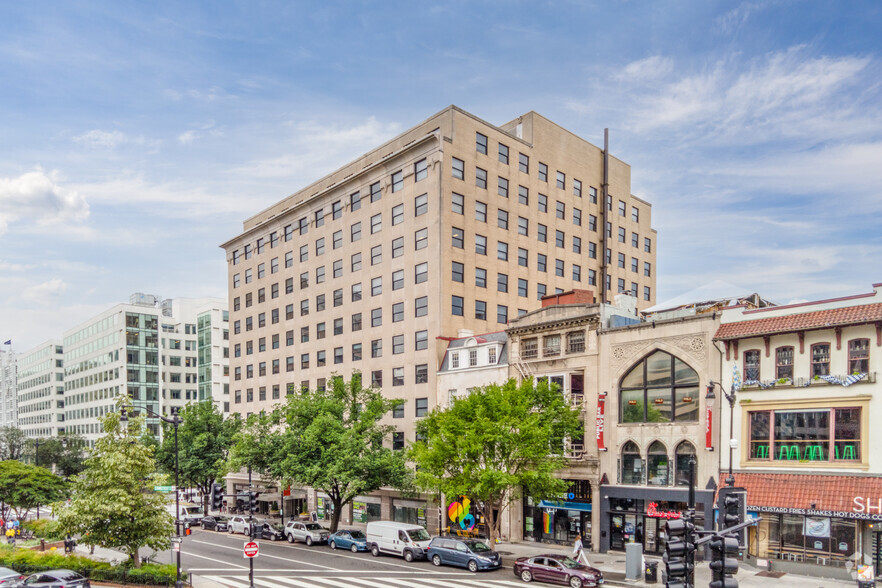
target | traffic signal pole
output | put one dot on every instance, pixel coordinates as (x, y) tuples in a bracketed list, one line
[(250, 529)]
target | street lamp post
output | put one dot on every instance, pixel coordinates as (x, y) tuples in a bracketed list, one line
[(730, 397), (37, 463), (175, 420)]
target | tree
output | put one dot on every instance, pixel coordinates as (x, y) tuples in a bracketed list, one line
[(24, 486), (496, 445), (258, 445), (65, 453), (113, 503), (204, 441), (332, 440), (12, 443)]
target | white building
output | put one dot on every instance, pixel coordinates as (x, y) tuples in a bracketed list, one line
[(148, 349), (41, 390), (472, 361), (8, 415)]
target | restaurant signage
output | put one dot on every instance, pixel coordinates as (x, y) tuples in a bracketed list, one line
[(652, 511), (601, 402)]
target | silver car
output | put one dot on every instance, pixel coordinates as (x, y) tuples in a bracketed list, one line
[(309, 533), (239, 525)]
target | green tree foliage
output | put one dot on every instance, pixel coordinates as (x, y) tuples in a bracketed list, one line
[(66, 454), (204, 441), (24, 486), (113, 503), (331, 440), (12, 443), (496, 445)]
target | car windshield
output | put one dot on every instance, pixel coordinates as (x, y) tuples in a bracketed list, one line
[(276, 527), (222, 519), (418, 535), (314, 527), (569, 563), (478, 546), (358, 535)]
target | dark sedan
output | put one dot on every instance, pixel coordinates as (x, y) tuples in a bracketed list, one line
[(557, 569), (269, 531), (54, 579), (216, 523)]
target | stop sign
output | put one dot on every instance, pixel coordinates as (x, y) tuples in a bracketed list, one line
[(251, 549)]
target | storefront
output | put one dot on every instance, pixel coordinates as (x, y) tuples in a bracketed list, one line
[(631, 514), (409, 511), (366, 509), (559, 521), (825, 522)]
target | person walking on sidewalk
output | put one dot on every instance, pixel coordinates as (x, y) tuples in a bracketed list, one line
[(579, 551)]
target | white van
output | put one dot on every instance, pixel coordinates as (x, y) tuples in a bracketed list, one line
[(401, 539)]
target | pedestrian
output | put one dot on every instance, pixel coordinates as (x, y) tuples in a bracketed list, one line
[(579, 551)]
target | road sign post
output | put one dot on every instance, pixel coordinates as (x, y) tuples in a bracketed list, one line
[(251, 549)]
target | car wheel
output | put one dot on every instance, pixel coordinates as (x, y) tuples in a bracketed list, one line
[(308, 541), (527, 576), (354, 548), (436, 560), (408, 556), (290, 538), (231, 530), (375, 551), (575, 582), (333, 545), (473, 565)]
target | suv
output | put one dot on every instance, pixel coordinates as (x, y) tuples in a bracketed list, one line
[(309, 533), (239, 524)]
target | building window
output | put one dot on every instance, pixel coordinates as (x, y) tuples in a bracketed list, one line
[(458, 272), (456, 306), (543, 172), (543, 203), (421, 239), (657, 465), (806, 435), (523, 287), (551, 346), (632, 464), (560, 239), (523, 257), (501, 314), (377, 378), (355, 232), (377, 348), (421, 273), (502, 187), (481, 178), (421, 375), (481, 143), (502, 250), (491, 355), (542, 233), (354, 203), (480, 244), (480, 310), (356, 321), (559, 268), (561, 180), (530, 348), (577, 188), (473, 357), (398, 279), (635, 214), (337, 268), (542, 262), (397, 441), (751, 366), (421, 205), (397, 247), (592, 277), (647, 269), (398, 376), (377, 317), (458, 169), (398, 410), (397, 344), (647, 244), (376, 223), (821, 359), (319, 218), (398, 312), (397, 181), (457, 238), (338, 355), (356, 292), (502, 219), (561, 210), (454, 360), (420, 170), (784, 363), (523, 226), (576, 342), (684, 452), (577, 273), (421, 306), (338, 326), (480, 211), (523, 195), (541, 290), (376, 254), (523, 163), (501, 283), (621, 234), (356, 352), (355, 262), (646, 293), (397, 214), (457, 203), (859, 356), (421, 340), (661, 388), (503, 154), (480, 277)]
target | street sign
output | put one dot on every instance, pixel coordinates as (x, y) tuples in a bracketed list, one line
[(176, 546), (251, 549), (177, 539), (163, 488)]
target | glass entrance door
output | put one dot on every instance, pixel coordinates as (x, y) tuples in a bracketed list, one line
[(617, 532)]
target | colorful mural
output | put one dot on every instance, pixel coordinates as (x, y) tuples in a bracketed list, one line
[(459, 512)]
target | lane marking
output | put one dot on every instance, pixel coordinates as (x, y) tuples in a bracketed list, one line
[(239, 549)]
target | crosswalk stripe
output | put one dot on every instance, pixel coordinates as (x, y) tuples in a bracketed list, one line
[(226, 581), (289, 581), (455, 581)]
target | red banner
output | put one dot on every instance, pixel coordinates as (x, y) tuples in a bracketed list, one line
[(601, 403), (709, 428)]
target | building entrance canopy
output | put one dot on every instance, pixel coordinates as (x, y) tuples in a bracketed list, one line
[(850, 497)]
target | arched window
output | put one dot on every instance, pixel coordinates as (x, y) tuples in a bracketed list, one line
[(684, 451), (632, 464), (657, 464), (659, 389)]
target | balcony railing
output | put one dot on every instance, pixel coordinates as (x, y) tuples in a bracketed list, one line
[(574, 450), (576, 347), (800, 382), (529, 353), (551, 352)]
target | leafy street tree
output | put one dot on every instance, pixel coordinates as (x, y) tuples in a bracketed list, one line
[(66, 453), (259, 445), (497, 444), (204, 441), (12, 443), (113, 503), (24, 486), (331, 440)]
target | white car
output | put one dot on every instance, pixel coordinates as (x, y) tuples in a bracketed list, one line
[(309, 533), (239, 525)]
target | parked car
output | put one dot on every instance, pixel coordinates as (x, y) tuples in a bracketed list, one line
[(54, 579), (216, 523), (309, 533), (267, 530), (9, 576), (239, 524), (352, 539), (401, 539), (473, 554), (557, 569)]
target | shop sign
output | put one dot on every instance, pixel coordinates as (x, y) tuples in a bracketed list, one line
[(359, 512), (601, 402), (709, 428), (652, 511), (842, 514), (320, 507), (816, 527)]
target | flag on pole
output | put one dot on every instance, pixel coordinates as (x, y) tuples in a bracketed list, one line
[(8, 342), (736, 378)]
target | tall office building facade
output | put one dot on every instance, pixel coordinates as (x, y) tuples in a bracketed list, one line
[(147, 349), (8, 388), (454, 224), (41, 390)]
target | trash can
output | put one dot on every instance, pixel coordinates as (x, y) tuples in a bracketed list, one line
[(651, 572)]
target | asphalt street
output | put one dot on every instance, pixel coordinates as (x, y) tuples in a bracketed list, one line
[(217, 559)]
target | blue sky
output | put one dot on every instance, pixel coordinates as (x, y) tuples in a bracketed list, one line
[(135, 137)]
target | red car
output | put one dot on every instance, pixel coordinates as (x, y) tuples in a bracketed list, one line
[(557, 569)]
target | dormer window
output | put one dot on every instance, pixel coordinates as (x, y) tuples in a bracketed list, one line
[(473, 357), (454, 360), (491, 355)]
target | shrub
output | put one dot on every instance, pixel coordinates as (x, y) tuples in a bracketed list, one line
[(27, 561), (45, 529)]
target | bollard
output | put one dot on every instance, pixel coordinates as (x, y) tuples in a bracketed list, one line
[(42, 545)]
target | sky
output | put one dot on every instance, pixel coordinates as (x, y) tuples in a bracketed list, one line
[(136, 137)]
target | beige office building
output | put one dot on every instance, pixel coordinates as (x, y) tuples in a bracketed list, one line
[(454, 224)]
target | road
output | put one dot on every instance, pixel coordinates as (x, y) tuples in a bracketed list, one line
[(216, 559)]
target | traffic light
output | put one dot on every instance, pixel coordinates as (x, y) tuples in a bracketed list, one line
[(187, 530), (732, 507), (252, 501), (723, 567), (217, 496), (679, 556)]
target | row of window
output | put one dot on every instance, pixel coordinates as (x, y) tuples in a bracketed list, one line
[(832, 434), (858, 360), (301, 226), (655, 468), (421, 376)]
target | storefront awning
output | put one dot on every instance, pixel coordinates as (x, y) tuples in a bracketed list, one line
[(583, 506), (854, 497), (269, 497)]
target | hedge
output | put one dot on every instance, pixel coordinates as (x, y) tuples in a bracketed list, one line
[(47, 529), (28, 561)]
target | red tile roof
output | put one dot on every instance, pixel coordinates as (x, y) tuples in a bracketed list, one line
[(829, 493), (820, 319)]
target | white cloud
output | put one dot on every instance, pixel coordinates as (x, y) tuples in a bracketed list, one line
[(101, 139), (187, 137), (45, 293), (37, 197), (645, 70)]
